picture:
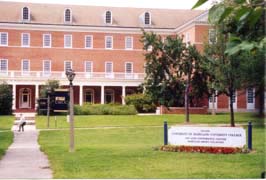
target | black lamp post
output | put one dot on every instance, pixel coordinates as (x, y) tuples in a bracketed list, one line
[(70, 76), (49, 90)]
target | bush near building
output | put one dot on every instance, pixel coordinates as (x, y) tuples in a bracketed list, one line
[(5, 99), (104, 109), (142, 102)]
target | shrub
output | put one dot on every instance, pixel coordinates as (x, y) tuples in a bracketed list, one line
[(5, 99), (104, 109), (142, 102)]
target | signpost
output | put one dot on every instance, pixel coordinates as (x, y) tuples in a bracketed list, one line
[(207, 136)]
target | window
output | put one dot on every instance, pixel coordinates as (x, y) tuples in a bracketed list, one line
[(108, 42), (109, 69), (68, 17), (68, 65), (129, 67), (89, 96), (25, 39), (187, 38), (3, 66), (147, 18), (46, 67), (25, 14), (250, 95), (89, 41), (128, 42), (3, 39), (234, 97), (88, 66), (212, 36), (68, 41), (47, 40), (109, 96), (25, 67), (108, 17)]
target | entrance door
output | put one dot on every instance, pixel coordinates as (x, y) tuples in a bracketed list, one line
[(25, 98), (250, 98)]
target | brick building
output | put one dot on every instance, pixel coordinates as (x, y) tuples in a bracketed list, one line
[(41, 41)]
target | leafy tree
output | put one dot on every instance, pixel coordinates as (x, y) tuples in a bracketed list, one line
[(52, 84), (142, 102), (172, 67), (6, 97)]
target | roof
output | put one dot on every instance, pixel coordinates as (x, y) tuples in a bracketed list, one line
[(83, 15)]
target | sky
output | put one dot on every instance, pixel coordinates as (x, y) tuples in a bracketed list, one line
[(169, 4)]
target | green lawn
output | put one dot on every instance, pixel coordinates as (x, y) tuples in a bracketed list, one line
[(128, 152), (134, 120), (6, 136)]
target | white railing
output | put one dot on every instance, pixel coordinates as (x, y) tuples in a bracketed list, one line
[(60, 75)]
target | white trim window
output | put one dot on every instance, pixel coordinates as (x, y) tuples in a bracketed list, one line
[(129, 70), (3, 39), (67, 16), (108, 42), (128, 42), (25, 39), (67, 65), (109, 70), (25, 14), (212, 36), (46, 67), (88, 41), (3, 66), (67, 41), (88, 68), (25, 67), (187, 38), (250, 93), (47, 40), (108, 17), (147, 18)]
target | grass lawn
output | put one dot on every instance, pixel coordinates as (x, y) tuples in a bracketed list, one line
[(128, 152), (6, 136)]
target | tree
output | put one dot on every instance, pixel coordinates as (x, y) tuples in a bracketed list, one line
[(171, 68), (52, 84), (6, 97)]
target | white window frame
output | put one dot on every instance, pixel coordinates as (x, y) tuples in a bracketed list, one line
[(250, 106), (22, 40), (234, 103), (209, 35), (85, 42), (4, 72), (88, 74), (129, 75), (47, 73), (27, 72), (109, 74), (187, 37), (131, 43), (71, 67), (92, 94), (1, 34), (65, 40), (50, 40), (105, 19), (22, 14), (112, 42), (65, 16)]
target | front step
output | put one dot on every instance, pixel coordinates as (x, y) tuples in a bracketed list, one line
[(29, 118), (28, 122)]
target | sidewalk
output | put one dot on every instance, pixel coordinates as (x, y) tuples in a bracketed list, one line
[(23, 159)]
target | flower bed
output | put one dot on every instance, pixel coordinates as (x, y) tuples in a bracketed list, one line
[(202, 149)]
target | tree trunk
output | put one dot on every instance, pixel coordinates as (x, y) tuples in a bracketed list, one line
[(261, 101), (232, 117), (187, 101)]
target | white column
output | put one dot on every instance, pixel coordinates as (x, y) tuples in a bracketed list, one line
[(14, 97), (102, 94), (80, 95), (36, 95), (123, 95)]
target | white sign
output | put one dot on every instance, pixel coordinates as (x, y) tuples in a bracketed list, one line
[(207, 136)]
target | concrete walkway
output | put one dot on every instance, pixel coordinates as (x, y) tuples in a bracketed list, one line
[(23, 159)]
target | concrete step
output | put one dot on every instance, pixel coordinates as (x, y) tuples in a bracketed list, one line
[(28, 122)]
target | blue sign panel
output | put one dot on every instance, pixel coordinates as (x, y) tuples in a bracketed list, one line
[(61, 100)]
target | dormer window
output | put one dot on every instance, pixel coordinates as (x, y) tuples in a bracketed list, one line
[(147, 18), (25, 14), (108, 17), (68, 16)]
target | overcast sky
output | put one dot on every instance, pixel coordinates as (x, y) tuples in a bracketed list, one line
[(171, 4)]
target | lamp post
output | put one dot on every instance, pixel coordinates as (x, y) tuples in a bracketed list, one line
[(48, 105), (70, 76)]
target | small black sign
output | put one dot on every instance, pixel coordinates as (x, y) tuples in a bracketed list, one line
[(61, 99), (42, 103)]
